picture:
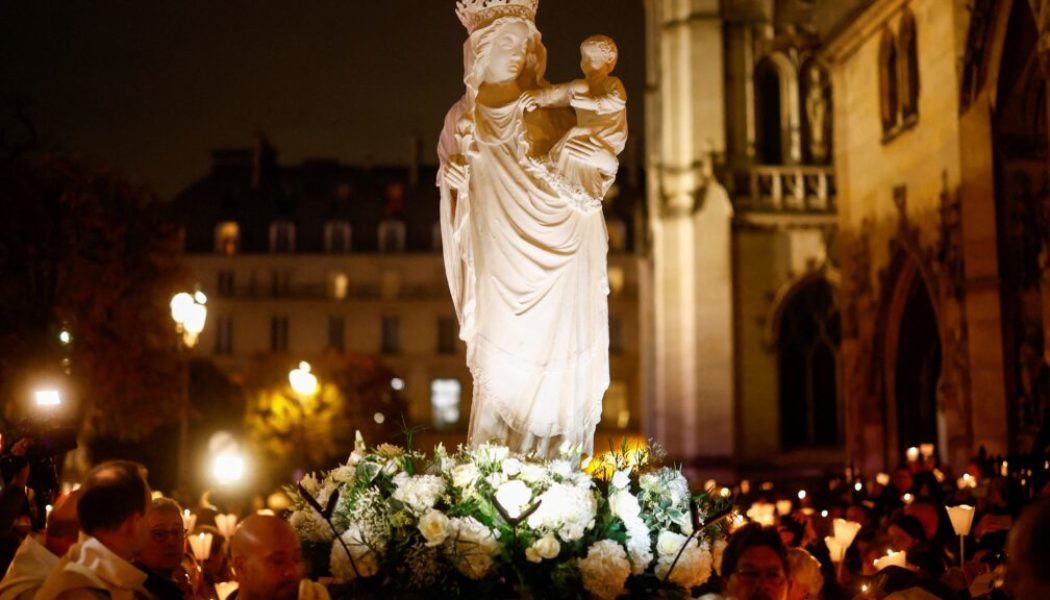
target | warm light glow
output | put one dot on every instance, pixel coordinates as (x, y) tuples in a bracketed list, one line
[(47, 398), (882, 479), (189, 520), (397, 384), (189, 313), (858, 486), (379, 418), (824, 513), (926, 450), (783, 507), (912, 454), (302, 380), (962, 518), (201, 545), (845, 531), (725, 492), (226, 524), (745, 487), (907, 499), (228, 468), (892, 559), (762, 513), (802, 494), (1005, 469), (835, 549), (514, 497), (65, 337)]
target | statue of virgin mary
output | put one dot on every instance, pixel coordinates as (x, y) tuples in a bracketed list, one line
[(524, 256)]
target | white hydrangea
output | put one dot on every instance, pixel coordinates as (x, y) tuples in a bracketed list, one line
[(639, 546), (365, 552), (693, 566), (624, 506), (561, 468), (310, 526), (471, 546), (567, 509), (533, 473), (419, 492), (605, 569)]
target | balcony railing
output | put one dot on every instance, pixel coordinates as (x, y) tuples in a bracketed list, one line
[(801, 189)]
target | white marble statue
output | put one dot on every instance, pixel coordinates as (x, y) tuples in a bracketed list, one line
[(524, 238)]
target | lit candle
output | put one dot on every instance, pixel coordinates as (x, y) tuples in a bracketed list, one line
[(912, 454), (858, 486), (907, 498), (824, 513), (835, 549), (926, 450), (1004, 470), (745, 487), (783, 507), (201, 545), (962, 518), (189, 520), (802, 494), (892, 559), (882, 479), (845, 531), (226, 524)]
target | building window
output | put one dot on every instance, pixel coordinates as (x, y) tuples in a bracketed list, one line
[(909, 68), (279, 334), (226, 283), (227, 238), (338, 286), (224, 335), (615, 334), (616, 412), (337, 237), (391, 335), (282, 237), (888, 88), (444, 402), (447, 335), (617, 235), (280, 283), (337, 333), (769, 113), (807, 357), (392, 236)]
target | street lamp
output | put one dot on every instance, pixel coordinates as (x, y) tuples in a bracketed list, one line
[(228, 468), (189, 311), (302, 380), (48, 398)]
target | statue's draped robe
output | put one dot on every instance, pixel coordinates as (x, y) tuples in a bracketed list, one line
[(527, 271)]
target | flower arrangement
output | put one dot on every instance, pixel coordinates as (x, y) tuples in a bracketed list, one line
[(483, 521)]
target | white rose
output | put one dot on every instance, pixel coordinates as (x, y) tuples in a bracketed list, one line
[(545, 548), (514, 497), (622, 479), (625, 506), (464, 476), (496, 479), (434, 527), (669, 543), (511, 467)]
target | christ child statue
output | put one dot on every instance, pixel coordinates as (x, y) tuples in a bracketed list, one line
[(585, 157)]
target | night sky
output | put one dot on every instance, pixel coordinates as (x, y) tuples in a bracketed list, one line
[(151, 87)]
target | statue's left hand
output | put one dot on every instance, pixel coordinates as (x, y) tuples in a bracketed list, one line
[(592, 153)]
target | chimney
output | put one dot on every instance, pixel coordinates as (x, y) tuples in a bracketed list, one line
[(417, 158)]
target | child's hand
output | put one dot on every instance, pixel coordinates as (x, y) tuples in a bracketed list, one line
[(531, 100)]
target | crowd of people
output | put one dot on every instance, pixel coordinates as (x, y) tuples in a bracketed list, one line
[(113, 538)]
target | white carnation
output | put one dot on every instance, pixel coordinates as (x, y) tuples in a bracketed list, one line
[(639, 546), (365, 553), (625, 506), (605, 569), (545, 548), (434, 527), (471, 547), (561, 468), (565, 508)]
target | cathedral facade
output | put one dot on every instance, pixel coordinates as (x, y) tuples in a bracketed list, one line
[(849, 230)]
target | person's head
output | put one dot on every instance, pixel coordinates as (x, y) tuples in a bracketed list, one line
[(905, 532), (858, 514), (166, 542), (791, 531), (1027, 550), (112, 506), (266, 559), (928, 514), (755, 565), (598, 54), (62, 525), (806, 579), (903, 480)]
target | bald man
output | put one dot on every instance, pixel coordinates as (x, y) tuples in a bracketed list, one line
[(267, 562), (34, 560), (1028, 571)]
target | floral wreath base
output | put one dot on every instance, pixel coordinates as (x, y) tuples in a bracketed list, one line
[(488, 523)]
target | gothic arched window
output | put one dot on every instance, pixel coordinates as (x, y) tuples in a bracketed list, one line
[(909, 67), (769, 104), (888, 88), (807, 361)]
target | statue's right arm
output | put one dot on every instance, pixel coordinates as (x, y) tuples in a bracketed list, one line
[(453, 170)]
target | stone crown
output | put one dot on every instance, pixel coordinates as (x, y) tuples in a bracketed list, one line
[(476, 14)]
